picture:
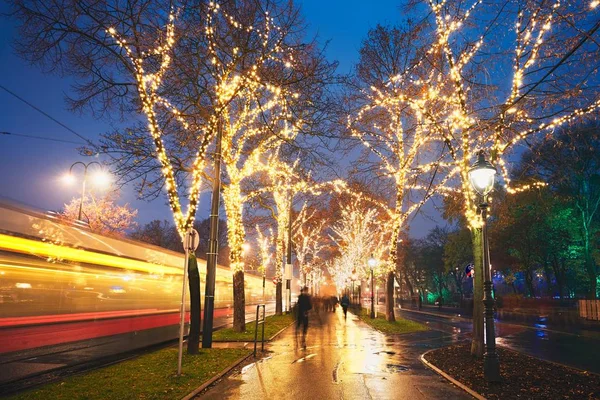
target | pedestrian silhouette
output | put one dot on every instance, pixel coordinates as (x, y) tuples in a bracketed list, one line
[(304, 306), (345, 303)]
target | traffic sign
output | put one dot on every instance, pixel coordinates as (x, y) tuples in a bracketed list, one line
[(191, 240), (287, 272), (469, 271)]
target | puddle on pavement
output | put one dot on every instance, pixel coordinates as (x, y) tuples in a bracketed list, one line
[(396, 368), (247, 368), (308, 357), (335, 372)]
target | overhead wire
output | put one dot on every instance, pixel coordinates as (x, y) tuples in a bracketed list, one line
[(41, 138), (47, 115)]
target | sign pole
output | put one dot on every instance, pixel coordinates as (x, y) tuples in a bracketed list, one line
[(191, 240), (182, 311)]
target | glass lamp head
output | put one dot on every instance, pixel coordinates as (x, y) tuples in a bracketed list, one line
[(482, 174), (101, 179), (372, 262), (68, 179)]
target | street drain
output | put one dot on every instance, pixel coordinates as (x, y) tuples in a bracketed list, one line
[(396, 368)]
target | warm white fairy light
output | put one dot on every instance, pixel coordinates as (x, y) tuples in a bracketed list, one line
[(308, 239), (148, 84), (265, 242), (246, 102), (441, 101), (360, 232), (397, 146)]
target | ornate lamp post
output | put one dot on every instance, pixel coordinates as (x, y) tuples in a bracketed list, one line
[(353, 298), (481, 176), (100, 178), (372, 263)]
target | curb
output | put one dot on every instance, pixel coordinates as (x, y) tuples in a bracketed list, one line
[(278, 333), (441, 315), (449, 378), (216, 377)]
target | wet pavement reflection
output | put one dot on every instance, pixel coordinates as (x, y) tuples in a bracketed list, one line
[(575, 348), (343, 359)]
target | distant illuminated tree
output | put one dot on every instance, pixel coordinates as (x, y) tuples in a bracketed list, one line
[(393, 126), (359, 234), (102, 214), (265, 245), (307, 234)]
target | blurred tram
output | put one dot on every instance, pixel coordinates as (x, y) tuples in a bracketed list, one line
[(54, 272)]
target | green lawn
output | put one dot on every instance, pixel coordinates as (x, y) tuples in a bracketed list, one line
[(274, 324), (392, 328), (151, 376)]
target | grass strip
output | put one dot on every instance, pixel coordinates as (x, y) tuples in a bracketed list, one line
[(152, 376), (392, 328), (274, 324)]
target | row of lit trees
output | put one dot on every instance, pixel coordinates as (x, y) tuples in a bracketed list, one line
[(240, 79), (195, 72), (433, 104)]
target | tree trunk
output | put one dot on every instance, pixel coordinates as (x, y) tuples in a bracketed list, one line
[(239, 302), (411, 290), (529, 282), (477, 340), (560, 277), (389, 298), (236, 235), (590, 266), (278, 299), (195, 316)]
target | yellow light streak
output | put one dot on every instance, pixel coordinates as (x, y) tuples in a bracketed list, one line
[(27, 246)]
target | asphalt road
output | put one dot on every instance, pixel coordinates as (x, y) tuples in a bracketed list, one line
[(343, 359), (577, 348)]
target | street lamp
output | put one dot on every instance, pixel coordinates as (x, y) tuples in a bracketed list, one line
[(353, 279), (100, 177), (481, 176), (372, 263)]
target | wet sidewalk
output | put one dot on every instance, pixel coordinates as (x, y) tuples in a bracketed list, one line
[(344, 359)]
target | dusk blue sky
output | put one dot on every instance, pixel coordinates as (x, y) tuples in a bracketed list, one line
[(30, 169)]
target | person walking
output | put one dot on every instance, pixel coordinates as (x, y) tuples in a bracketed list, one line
[(345, 303), (304, 306)]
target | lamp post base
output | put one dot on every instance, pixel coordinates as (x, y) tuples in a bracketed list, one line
[(491, 368)]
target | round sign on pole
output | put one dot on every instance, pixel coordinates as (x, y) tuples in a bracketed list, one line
[(191, 240), (469, 270)]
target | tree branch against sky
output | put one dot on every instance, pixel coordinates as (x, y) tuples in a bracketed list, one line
[(458, 102)]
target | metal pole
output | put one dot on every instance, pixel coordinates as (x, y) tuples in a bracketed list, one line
[(256, 329), (182, 310), (491, 364), (213, 246), (372, 296), (289, 253), (264, 319), (82, 192)]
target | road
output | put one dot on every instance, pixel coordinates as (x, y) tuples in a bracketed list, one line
[(344, 359), (35, 365), (578, 349)]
